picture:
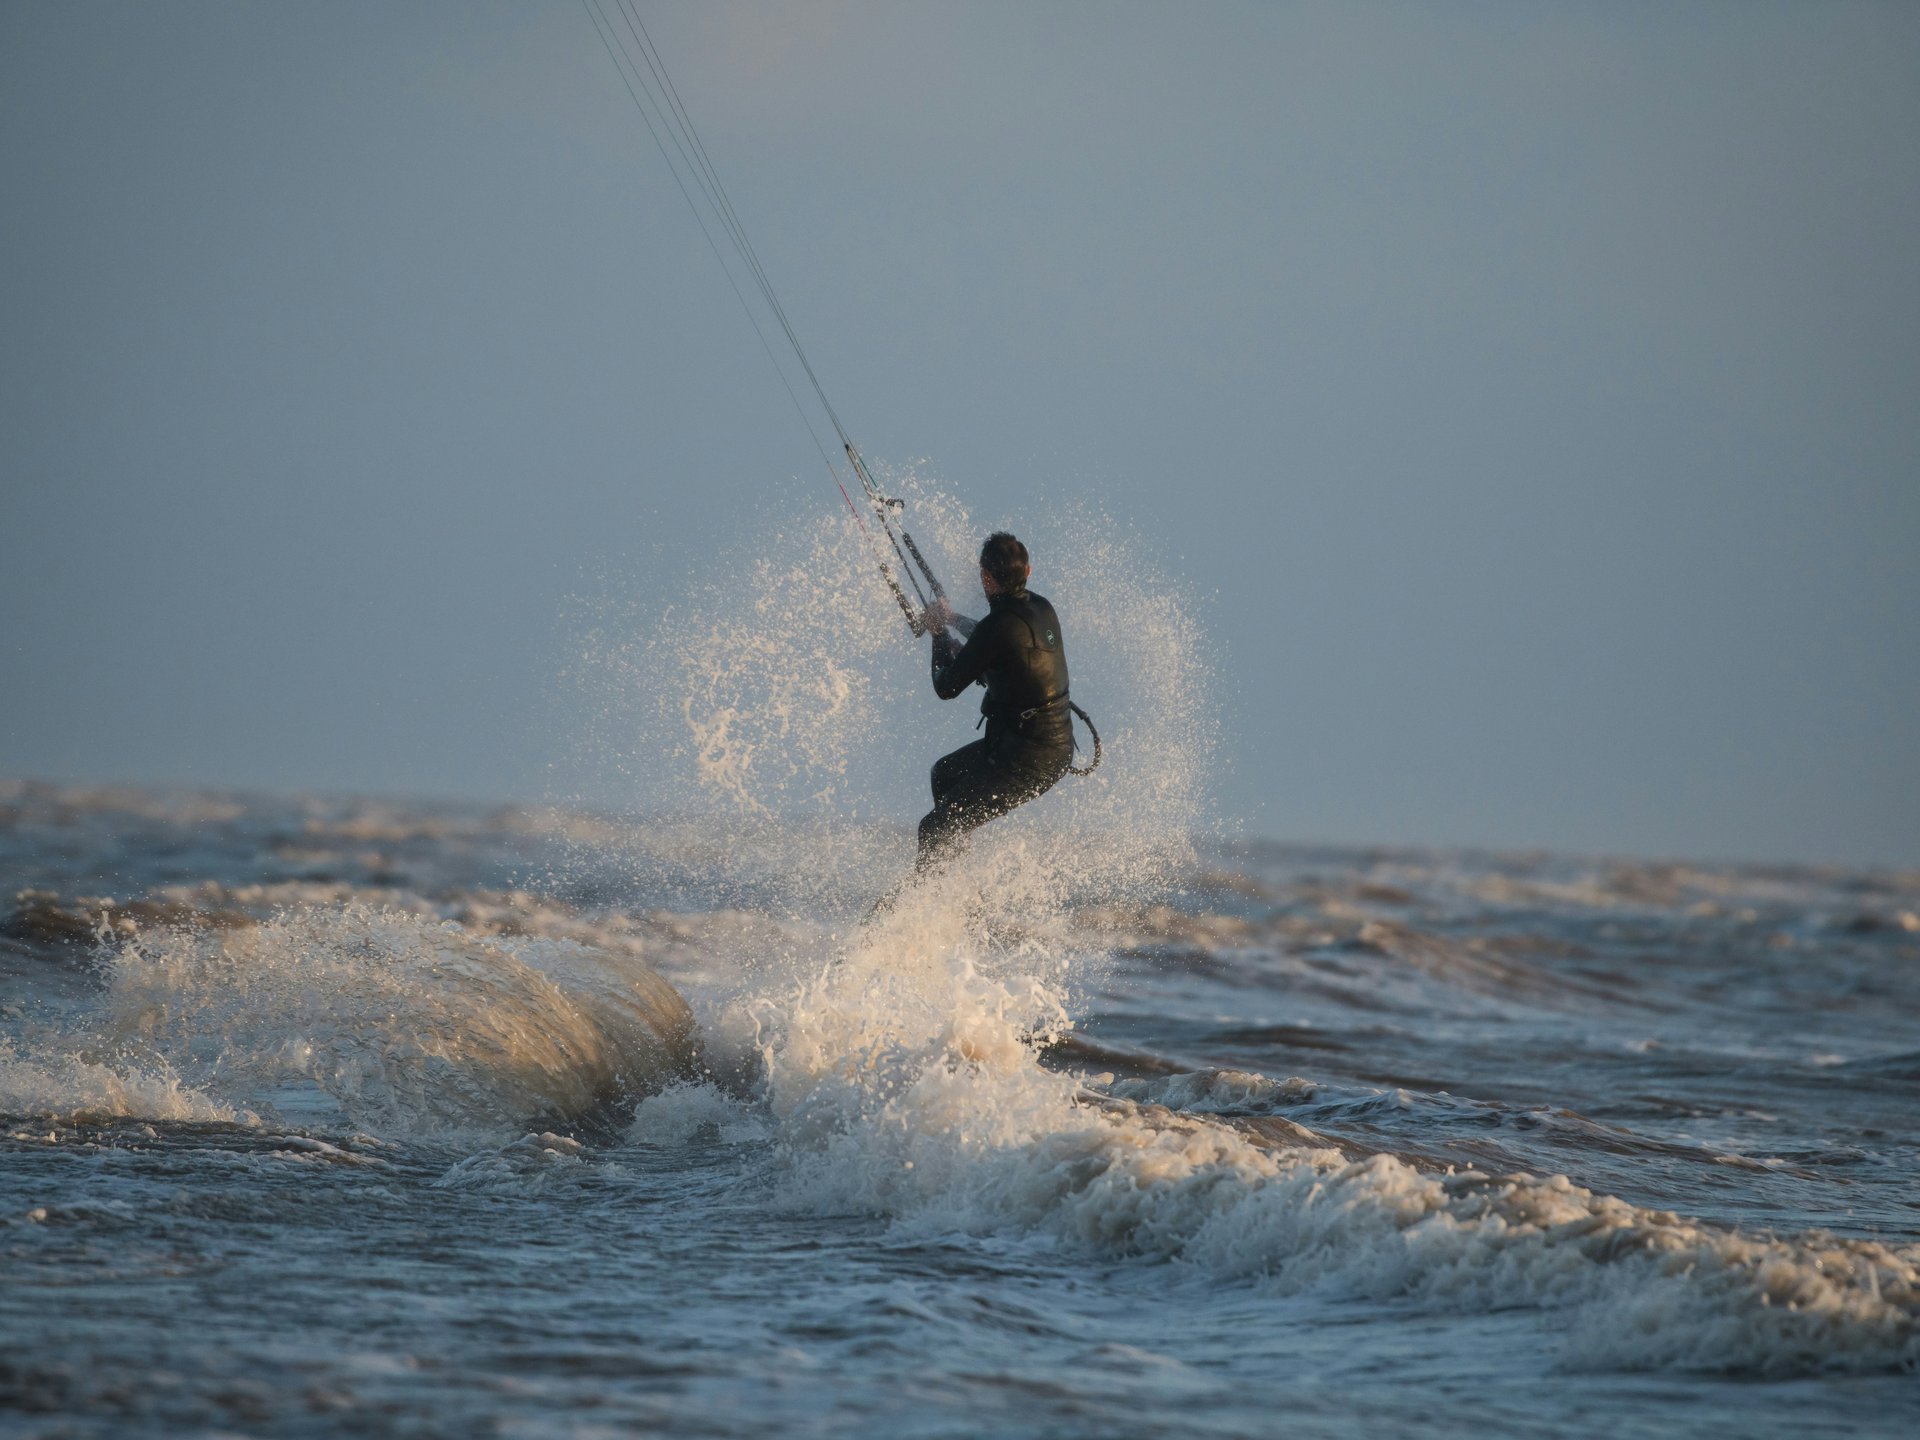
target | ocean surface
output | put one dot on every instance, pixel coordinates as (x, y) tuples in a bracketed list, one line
[(377, 1117)]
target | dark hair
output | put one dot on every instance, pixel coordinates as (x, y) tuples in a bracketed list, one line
[(1005, 558)]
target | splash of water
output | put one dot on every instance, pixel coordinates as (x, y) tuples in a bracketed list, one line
[(408, 1025), (785, 703)]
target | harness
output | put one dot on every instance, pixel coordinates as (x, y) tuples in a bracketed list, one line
[(1021, 718)]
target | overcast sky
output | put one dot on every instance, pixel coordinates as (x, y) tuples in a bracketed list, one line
[(1531, 392)]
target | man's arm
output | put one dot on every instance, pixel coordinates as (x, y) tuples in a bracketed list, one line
[(956, 666)]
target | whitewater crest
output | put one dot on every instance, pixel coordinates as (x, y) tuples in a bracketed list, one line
[(389, 1021), (50, 1083), (911, 1087)]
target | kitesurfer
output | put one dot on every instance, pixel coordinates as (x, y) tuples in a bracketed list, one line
[(1018, 654)]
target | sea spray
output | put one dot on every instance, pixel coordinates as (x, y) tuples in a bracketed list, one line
[(49, 1079), (409, 1026), (779, 698)]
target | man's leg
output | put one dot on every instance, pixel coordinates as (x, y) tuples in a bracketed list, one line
[(972, 786), (952, 771), (958, 780)]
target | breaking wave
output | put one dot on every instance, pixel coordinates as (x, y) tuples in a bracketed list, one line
[(398, 1023), (911, 1088)]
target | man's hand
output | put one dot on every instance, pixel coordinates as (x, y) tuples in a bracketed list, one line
[(936, 615)]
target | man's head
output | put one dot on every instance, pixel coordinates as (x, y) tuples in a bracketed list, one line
[(1003, 563)]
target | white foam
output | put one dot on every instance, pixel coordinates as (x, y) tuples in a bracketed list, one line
[(683, 1113), (411, 1025), (71, 1088), (906, 1085)]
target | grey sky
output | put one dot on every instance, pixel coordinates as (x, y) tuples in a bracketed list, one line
[(1538, 386)]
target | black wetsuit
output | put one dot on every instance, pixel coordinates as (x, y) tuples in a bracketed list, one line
[(1018, 653)]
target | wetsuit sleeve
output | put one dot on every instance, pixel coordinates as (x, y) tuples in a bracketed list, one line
[(957, 666)]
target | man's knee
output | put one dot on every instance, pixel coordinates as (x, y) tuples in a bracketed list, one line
[(951, 771)]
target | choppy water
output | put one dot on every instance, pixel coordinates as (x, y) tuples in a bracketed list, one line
[(391, 1118), (382, 1118)]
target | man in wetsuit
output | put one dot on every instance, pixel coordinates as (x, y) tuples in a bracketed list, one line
[(1017, 653)]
